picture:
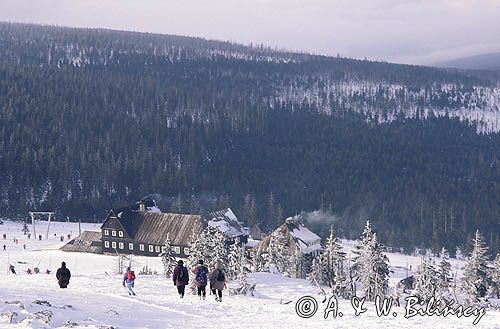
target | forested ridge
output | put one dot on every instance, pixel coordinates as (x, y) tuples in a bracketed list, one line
[(94, 119)]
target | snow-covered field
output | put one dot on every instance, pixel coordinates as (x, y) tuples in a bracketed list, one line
[(95, 297)]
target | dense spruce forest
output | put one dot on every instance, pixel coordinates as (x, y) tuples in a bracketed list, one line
[(94, 119)]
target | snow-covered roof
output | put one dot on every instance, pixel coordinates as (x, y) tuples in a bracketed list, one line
[(305, 239), (226, 221)]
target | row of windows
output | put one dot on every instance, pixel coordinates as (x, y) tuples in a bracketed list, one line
[(113, 233), (151, 248)]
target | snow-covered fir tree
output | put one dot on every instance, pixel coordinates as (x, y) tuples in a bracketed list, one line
[(328, 267), (259, 261), (426, 280), (234, 258), (475, 277), (443, 275), (371, 265), (200, 247), (241, 268), (218, 247), (316, 273), (279, 254), (495, 277), (167, 257), (333, 258), (297, 264)]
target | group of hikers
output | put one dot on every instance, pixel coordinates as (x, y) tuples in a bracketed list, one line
[(180, 279)]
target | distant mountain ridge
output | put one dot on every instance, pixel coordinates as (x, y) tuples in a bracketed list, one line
[(94, 119), (489, 61)]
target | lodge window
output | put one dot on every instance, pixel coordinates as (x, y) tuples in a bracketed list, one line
[(186, 251), (163, 249), (120, 234), (141, 247), (113, 233), (157, 248), (113, 245), (120, 245), (106, 244), (106, 232), (177, 250), (151, 248), (131, 246)]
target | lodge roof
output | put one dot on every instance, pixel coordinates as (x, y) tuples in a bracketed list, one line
[(153, 227), (226, 221), (88, 241)]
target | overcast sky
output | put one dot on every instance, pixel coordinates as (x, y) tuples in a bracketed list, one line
[(409, 31)]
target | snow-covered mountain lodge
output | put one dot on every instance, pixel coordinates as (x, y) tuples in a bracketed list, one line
[(141, 232)]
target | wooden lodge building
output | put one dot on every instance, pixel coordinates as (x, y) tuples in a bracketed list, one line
[(141, 232)]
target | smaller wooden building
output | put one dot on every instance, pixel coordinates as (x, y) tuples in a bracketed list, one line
[(226, 221), (297, 237), (88, 241)]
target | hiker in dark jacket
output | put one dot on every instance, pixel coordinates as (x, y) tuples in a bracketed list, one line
[(180, 277), (63, 275), (128, 281), (201, 279), (217, 281)]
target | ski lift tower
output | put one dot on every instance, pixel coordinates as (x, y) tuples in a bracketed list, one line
[(33, 215)]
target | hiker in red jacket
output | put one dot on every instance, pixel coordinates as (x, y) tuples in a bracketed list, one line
[(128, 281), (181, 278), (201, 279)]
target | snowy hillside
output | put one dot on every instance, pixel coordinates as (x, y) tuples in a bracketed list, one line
[(95, 297)]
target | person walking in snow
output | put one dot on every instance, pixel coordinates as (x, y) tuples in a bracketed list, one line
[(181, 278), (217, 281), (128, 281), (12, 269), (201, 279), (4, 247), (63, 275)]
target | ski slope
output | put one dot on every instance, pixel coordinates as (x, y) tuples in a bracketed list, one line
[(95, 297)]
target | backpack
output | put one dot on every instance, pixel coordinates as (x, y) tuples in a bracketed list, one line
[(130, 276), (221, 276), (201, 276), (180, 276)]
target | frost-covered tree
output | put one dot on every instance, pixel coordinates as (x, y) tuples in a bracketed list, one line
[(371, 265), (333, 258), (426, 280), (167, 257), (297, 263), (475, 277), (234, 257), (316, 275), (218, 247), (199, 248), (328, 267), (241, 267), (495, 277), (279, 253), (259, 261), (443, 274)]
